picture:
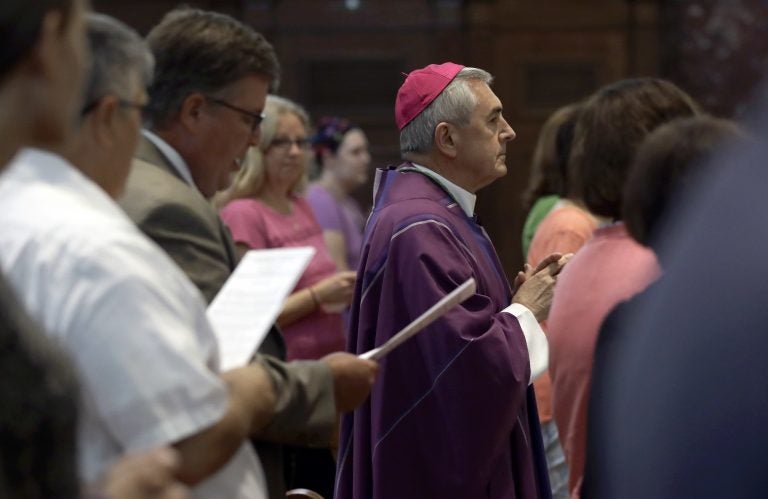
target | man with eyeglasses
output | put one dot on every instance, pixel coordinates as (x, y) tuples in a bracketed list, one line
[(211, 80)]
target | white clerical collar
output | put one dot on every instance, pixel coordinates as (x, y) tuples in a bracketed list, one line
[(462, 196), (171, 155)]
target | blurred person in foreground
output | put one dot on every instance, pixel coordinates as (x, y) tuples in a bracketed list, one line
[(212, 75), (611, 266), (265, 208), (341, 154), (668, 164), (453, 414), (42, 62), (41, 65), (133, 324)]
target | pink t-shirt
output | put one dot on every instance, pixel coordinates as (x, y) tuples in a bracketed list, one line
[(565, 229), (609, 268), (258, 226)]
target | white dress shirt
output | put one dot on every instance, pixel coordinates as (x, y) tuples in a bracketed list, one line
[(535, 339), (132, 322)]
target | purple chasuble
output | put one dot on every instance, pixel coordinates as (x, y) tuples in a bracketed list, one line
[(451, 414)]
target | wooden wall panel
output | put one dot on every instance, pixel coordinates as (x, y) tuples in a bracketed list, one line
[(543, 57), (348, 61), (717, 51)]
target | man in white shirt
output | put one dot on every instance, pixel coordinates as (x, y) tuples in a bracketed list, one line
[(133, 323)]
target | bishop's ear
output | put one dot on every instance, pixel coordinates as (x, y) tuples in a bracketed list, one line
[(446, 139)]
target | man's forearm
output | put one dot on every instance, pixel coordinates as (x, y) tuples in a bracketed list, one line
[(251, 407)]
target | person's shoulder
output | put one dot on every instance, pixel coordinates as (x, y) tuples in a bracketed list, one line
[(303, 205), (569, 215), (84, 242), (413, 218), (155, 199), (316, 192), (150, 187), (243, 207), (419, 206)]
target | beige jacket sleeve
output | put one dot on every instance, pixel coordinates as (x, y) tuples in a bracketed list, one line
[(305, 413)]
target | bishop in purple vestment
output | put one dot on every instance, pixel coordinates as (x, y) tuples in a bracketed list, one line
[(453, 414)]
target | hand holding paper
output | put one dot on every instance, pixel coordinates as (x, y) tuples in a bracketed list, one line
[(437, 310)]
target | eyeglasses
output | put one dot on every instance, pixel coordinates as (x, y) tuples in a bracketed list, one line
[(286, 144), (253, 119), (120, 102)]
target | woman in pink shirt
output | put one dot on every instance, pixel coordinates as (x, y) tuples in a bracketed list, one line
[(264, 208), (610, 267)]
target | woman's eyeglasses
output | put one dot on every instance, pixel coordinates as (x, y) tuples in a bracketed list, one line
[(286, 144)]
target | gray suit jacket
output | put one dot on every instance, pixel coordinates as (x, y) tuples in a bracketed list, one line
[(182, 222)]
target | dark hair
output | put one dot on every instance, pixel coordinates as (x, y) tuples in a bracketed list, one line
[(202, 51), (666, 163), (549, 174), (330, 133), (20, 23), (611, 125), (38, 412)]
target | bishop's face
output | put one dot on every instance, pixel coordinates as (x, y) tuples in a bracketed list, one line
[(482, 150)]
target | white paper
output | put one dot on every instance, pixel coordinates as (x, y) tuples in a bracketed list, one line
[(436, 311), (252, 298)]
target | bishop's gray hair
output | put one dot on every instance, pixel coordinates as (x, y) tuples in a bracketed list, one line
[(117, 53), (454, 105)]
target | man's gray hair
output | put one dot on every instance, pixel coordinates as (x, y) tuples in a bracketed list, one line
[(454, 105), (118, 54)]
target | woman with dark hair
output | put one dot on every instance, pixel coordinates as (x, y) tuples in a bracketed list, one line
[(341, 153), (668, 163), (610, 267), (549, 179), (563, 230)]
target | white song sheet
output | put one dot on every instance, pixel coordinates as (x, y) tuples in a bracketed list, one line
[(251, 299), (458, 295)]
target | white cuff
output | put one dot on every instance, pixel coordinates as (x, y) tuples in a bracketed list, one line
[(538, 347)]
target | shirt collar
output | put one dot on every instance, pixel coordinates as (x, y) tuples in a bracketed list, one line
[(171, 155), (462, 196)]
